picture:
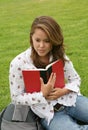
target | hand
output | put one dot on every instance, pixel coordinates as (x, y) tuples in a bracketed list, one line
[(57, 92), (47, 88)]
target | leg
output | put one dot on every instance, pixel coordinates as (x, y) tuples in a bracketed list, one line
[(62, 121), (80, 111)]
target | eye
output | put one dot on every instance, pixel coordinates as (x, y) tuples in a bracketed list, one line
[(37, 40), (47, 41)]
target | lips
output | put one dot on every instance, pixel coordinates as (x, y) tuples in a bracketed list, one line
[(41, 51)]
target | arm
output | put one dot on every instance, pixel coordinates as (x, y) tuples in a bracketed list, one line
[(72, 82), (36, 101), (72, 78), (18, 94)]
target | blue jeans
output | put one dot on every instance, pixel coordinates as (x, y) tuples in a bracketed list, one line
[(67, 119)]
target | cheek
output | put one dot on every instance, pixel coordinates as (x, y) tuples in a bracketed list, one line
[(34, 43), (49, 47)]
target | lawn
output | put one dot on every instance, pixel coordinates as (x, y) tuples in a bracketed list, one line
[(16, 17)]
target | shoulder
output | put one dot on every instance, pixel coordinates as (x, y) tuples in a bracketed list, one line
[(22, 58), (68, 62), (66, 58)]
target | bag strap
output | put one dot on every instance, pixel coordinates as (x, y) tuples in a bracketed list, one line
[(1, 116), (39, 125)]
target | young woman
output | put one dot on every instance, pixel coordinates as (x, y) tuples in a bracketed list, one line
[(58, 108)]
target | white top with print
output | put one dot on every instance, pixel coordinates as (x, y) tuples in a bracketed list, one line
[(36, 101)]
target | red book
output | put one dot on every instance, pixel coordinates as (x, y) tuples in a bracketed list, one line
[(32, 77)]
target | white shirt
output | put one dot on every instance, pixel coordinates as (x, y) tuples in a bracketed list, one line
[(36, 101)]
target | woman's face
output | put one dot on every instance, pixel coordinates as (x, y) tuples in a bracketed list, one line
[(41, 43)]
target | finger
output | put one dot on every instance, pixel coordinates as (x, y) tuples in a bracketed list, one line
[(41, 81), (51, 97), (52, 94), (52, 77), (53, 90)]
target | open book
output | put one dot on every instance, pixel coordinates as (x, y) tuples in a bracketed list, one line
[(32, 77)]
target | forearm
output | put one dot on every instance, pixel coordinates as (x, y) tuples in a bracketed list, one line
[(65, 91), (57, 93)]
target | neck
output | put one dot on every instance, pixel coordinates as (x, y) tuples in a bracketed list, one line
[(45, 59)]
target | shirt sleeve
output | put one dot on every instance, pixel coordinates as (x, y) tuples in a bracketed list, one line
[(17, 89), (72, 78)]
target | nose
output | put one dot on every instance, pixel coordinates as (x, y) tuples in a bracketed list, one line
[(41, 44)]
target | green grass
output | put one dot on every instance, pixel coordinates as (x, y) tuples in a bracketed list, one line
[(16, 17)]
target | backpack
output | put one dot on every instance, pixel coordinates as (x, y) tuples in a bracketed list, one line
[(18, 125)]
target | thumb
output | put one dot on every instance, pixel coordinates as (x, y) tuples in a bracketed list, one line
[(41, 81)]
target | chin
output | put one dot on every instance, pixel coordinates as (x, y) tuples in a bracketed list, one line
[(41, 54)]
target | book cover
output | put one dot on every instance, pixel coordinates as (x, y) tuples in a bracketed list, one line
[(32, 77)]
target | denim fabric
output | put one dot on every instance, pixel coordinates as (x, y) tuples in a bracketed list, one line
[(67, 119), (80, 112)]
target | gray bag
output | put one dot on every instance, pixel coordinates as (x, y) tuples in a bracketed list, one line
[(7, 125), (20, 118)]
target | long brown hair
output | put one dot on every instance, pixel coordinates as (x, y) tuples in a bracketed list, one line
[(54, 33)]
